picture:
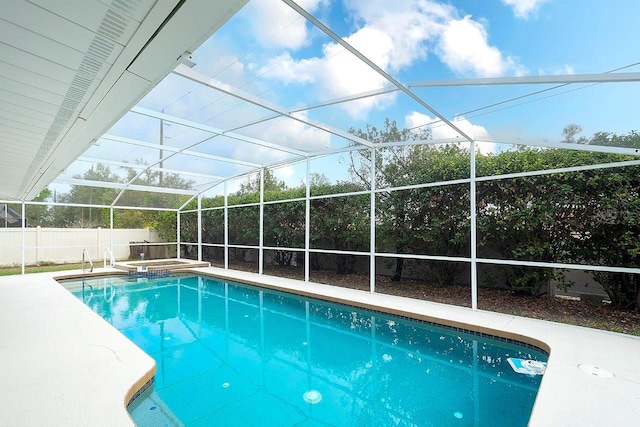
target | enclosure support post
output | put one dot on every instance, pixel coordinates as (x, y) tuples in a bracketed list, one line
[(307, 223), (372, 224), (111, 231), (226, 227), (261, 242), (24, 240), (178, 251), (474, 252), (199, 227)]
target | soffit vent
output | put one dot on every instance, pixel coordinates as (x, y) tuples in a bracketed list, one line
[(127, 7), (93, 64), (113, 25)]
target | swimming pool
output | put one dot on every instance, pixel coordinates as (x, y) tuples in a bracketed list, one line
[(233, 354)]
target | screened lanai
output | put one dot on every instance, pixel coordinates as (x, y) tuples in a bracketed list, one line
[(460, 143)]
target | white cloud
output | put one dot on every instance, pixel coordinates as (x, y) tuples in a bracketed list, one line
[(410, 25), (295, 134), (440, 130), (339, 73), (284, 173), (289, 70), (390, 37), (287, 133), (418, 27), (524, 8), (276, 25), (393, 35), (343, 74), (559, 70), (464, 47)]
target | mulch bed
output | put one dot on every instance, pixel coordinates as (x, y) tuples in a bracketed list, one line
[(545, 307)]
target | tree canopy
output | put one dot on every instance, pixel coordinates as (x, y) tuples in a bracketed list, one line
[(581, 217), (90, 217)]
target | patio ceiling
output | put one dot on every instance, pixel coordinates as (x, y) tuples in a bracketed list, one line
[(112, 86)]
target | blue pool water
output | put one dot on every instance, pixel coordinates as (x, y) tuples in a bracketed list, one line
[(230, 354)]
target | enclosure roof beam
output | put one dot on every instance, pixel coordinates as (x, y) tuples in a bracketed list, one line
[(211, 129), (123, 186), (184, 205), (349, 98), (145, 167), (371, 64), (543, 144), (529, 80), (554, 79), (178, 150), (189, 73), (572, 146)]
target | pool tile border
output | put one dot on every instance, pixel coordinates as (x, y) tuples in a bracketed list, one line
[(526, 341), (146, 386), (467, 331)]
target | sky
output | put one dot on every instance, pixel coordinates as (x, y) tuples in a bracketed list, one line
[(270, 51)]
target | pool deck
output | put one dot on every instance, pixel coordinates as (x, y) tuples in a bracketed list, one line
[(61, 364)]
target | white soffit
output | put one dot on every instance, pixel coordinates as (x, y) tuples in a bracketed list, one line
[(70, 69)]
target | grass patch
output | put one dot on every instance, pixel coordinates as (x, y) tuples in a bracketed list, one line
[(8, 271)]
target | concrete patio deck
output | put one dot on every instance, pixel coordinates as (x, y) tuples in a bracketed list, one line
[(63, 365), (60, 363)]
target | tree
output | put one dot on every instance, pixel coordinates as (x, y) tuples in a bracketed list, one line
[(610, 139), (284, 226), (252, 184), (586, 217), (40, 215), (89, 217), (131, 218), (431, 220), (341, 223), (318, 180), (570, 131), (610, 231), (609, 220), (589, 217)]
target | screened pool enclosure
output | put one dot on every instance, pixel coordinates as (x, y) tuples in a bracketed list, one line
[(416, 143)]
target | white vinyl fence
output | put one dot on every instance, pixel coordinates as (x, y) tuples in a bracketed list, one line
[(65, 245)]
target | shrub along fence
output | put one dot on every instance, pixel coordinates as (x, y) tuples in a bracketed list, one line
[(551, 214)]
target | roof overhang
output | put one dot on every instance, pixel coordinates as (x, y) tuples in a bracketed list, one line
[(72, 69)]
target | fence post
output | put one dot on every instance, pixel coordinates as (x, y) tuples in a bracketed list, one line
[(37, 243), (24, 226)]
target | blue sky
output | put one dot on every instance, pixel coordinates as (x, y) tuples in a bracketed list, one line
[(270, 51)]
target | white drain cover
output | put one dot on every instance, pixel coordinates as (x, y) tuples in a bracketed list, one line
[(595, 371)]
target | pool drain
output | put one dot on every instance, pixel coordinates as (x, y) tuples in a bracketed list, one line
[(457, 414), (595, 371), (312, 396)]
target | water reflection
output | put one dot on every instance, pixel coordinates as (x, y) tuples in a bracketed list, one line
[(228, 351)]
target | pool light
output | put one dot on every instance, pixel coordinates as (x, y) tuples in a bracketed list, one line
[(312, 396)]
